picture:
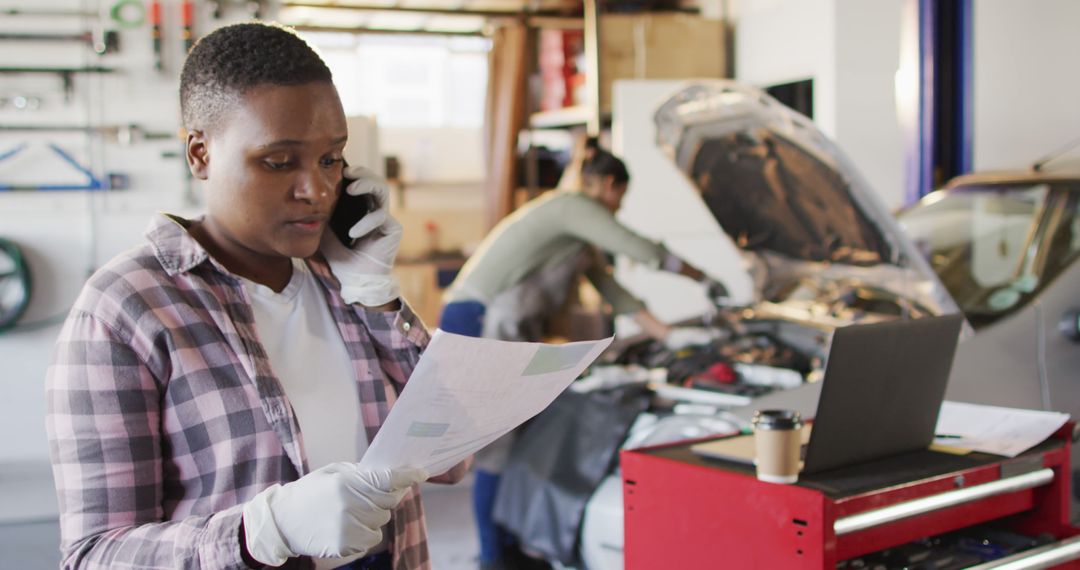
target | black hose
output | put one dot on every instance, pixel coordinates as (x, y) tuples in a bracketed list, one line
[(20, 272)]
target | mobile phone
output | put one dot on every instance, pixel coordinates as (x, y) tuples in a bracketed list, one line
[(349, 210)]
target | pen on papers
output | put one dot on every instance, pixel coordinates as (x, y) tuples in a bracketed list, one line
[(947, 436)]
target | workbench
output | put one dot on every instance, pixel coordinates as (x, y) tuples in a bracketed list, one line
[(688, 512)]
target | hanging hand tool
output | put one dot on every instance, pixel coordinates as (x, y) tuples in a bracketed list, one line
[(256, 7), (102, 41), (125, 135), (19, 102), (92, 183), (65, 73), (128, 13), (48, 13), (15, 284), (187, 9), (155, 22), (219, 8)]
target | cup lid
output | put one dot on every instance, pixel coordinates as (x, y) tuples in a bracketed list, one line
[(776, 419)]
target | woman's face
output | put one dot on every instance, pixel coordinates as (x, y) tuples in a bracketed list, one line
[(272, 170), (611, 193)]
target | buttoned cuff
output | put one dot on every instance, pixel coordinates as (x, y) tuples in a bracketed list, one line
[(403, 326)]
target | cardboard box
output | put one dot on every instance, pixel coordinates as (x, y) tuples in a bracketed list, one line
[(659, 46)]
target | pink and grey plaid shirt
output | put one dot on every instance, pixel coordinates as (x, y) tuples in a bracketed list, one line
[(164, 416)]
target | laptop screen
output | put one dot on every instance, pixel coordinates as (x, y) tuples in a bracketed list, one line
[(883, 388)]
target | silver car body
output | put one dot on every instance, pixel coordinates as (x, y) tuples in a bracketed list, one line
[(1018, 357), (1006, 245)]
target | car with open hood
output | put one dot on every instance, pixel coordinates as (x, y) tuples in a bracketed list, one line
[(816, 245), (822, 251)]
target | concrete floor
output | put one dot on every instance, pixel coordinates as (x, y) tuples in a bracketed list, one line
[(29, 533), (31, 546)]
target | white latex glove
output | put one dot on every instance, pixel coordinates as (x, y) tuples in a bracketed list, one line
[(682, 337), (671, 262), (338, 510), (364, 270)]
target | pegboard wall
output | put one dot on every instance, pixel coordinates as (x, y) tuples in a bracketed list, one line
[(113, 118)]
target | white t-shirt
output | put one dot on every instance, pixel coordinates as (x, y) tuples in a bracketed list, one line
[(308, 356)]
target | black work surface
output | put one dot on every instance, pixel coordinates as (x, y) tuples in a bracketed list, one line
[(865, 477)]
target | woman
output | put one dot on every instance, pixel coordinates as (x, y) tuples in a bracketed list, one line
[(523, 271), (212, 390)]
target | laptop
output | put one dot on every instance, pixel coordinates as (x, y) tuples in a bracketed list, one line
[(882, 391)]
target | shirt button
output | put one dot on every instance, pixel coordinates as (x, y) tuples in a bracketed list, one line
[(406, 327)]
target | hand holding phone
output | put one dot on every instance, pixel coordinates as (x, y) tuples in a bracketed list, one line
[(361, 192), (348, 212), (366, 239)]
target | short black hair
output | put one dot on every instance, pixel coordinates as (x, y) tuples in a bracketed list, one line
[(228, 62), (601, 163)]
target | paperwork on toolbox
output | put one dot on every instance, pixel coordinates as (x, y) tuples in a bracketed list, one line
[(992, 429), (467, 392)]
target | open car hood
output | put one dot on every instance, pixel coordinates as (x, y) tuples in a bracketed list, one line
[(787, 196)]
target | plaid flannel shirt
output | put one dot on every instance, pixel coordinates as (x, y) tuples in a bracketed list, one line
[(164, 416)]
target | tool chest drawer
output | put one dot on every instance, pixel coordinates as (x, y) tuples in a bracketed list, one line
[(685, 511)]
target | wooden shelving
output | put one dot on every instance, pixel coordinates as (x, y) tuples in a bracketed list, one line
[(560, 118)]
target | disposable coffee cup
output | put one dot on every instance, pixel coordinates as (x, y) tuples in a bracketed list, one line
[(777, 443)]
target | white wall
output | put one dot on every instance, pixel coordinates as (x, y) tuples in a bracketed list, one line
[(451, 155), (1025, 94), (777, 41), (850, 48), (67, 234), (867, 127), (1026, 85)]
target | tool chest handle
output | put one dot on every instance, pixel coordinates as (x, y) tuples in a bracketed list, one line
[(1046, 556), (907, 509)]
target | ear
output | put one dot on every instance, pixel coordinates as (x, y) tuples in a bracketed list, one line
[(608, 182), (198, 154)]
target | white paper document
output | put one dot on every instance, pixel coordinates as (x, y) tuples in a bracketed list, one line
[(992, 429), (467, 392)]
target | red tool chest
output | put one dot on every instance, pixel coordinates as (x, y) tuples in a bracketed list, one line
[(686, 512)]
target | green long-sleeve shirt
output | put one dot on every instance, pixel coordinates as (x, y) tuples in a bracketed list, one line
[(545, 232)]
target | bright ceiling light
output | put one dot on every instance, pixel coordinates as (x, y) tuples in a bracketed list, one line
[(455, 24), (397, 21)]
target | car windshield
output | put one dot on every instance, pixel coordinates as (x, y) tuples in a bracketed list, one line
[(979, 241)]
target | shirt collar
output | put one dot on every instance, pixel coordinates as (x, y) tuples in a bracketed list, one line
[(178, 252), (174, 247)]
